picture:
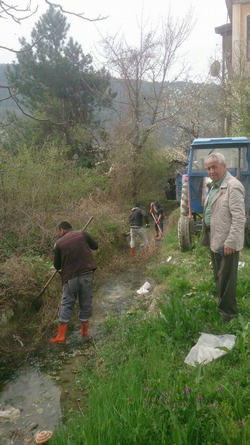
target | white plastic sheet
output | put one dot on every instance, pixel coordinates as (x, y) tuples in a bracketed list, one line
[(205, 349), (144, 288), (9, 414)]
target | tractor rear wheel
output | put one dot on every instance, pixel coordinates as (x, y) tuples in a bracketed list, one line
[(184, 207), (184, 233)]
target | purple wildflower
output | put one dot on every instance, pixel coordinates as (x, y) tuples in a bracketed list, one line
[(199, 398), (237, 383), (219, 389), (213, 405), (187, 390), (167, 393), (175, 406), (144, 401), (240, 424), (166, 401), (184, 403)]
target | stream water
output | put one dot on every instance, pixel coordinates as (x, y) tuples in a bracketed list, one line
[(41, 388)]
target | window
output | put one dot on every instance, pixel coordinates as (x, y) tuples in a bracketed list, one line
[(231, 156), (248, 37)]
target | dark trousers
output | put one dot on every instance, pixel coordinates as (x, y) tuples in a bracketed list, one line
[(225, 270)]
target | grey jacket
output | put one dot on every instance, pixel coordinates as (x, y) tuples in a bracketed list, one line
[(227, 216)]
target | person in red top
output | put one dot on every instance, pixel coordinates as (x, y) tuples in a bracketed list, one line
[(74, 260)]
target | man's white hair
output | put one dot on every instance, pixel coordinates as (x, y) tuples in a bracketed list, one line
[(219, 156)]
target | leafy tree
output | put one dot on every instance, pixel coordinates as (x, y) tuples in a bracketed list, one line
[(19, 14), (56, 81)]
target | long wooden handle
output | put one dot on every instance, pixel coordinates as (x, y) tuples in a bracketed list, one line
[(55, 272), (156, 222)]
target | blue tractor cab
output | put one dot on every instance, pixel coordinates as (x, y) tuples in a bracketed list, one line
[(195, 184)]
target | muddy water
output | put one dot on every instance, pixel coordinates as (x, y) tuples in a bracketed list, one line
[(41, 388)]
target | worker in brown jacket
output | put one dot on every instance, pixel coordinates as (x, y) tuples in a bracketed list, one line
[(73, 257)]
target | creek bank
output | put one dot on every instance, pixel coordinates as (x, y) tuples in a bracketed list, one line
[(46, 386)]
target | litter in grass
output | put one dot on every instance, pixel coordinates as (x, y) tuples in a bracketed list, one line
[(144, 288), (169, 259), (210, 347), (240, 264)]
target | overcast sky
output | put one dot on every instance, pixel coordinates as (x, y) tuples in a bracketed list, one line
[(123, 16)]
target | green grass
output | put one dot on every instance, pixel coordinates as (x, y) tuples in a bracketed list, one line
[(141, 392)]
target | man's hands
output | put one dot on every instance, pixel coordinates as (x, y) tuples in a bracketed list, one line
[(228, 251)]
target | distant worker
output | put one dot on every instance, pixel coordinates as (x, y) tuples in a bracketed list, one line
[(167, 189), (170, 189), (223, 231), (72, 256), (136, 219), (157, 212)]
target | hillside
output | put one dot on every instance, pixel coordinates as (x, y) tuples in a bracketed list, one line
[(6, 105), (192, 105)]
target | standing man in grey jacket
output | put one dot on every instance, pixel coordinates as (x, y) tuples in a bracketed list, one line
[(223, 231)]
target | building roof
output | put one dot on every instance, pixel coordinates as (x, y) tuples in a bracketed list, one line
[(224, 30)]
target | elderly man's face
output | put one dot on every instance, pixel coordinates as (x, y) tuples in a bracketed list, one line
[(215, 170)]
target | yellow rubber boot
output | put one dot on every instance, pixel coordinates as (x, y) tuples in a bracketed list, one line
[(85, 328), (61, 336)]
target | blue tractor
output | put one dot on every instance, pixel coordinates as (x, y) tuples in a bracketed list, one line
[(195, 184)]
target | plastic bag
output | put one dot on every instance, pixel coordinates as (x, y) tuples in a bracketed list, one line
[(144, 288), (206, 350)]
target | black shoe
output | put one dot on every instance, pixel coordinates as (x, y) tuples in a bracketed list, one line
[(226, 318)]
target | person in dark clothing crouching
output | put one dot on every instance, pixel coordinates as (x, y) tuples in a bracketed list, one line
[(73, 257), (137, 216)]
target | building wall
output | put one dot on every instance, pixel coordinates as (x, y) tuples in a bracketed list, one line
[(239, 37), (245, 11)]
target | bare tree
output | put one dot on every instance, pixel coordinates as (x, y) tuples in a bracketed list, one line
[(145, 73), (232, 104), (198, 115)]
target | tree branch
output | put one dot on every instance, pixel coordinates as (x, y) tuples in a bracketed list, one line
[(45, 36), (7, 8), (6, 125), (80, 15), (32, 117)]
